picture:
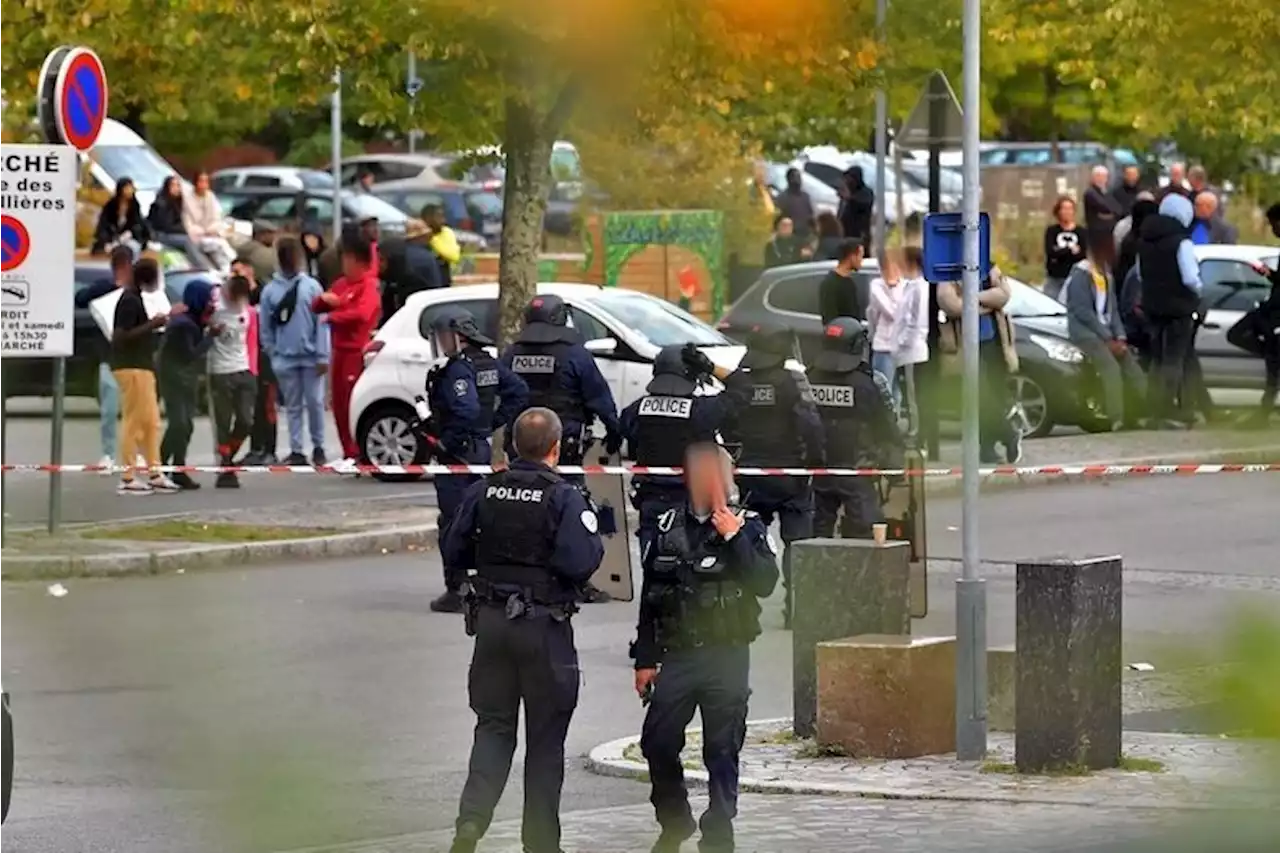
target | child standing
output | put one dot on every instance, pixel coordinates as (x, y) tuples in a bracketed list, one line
[(232, 385), (185, 343)]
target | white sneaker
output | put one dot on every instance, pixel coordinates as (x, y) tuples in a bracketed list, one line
[(161, 484), (134, 487), (347, 466), (106, 463)]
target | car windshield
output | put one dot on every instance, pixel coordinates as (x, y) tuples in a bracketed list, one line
[(366, 206), (1026, 301), (660, 323), (138, 162)]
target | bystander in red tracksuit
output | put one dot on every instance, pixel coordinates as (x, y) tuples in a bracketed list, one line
[(353, 306)]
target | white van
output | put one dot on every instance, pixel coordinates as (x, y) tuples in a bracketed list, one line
[(121, 153)]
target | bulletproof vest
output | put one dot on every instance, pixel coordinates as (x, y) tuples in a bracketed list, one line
[(695, 597), (542, 367), (665, 428), (516, 536), (837, 396), (486, 386), (1163, 293), (767, 426)]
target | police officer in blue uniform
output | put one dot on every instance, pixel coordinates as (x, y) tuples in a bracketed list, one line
[(662, 425), (779, 428), (470, 396), (862, 432), (704, 575), (523, 584)]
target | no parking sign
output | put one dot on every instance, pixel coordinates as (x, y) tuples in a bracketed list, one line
[(73, 97)]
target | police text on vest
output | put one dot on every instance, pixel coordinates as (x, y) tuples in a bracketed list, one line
[(533, 363), (762, 395), (840, 396), (667, 407), (512, 493)]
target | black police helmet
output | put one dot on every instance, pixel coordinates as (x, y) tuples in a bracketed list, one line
[(846, 344), (671, 374), (768, 346), (549, 309), (460, 322)]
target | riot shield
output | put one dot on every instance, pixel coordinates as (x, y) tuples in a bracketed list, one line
[(609, 492), (904, 503), (5, 756)]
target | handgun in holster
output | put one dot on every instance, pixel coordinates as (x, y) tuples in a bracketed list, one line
[(470, 611)]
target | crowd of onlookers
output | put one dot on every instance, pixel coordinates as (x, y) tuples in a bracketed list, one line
[(802, 234), (281, 321)]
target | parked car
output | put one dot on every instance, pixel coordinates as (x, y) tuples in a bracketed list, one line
[(1232, 287), (624, 330), (1054, 385), (1043, 153), (466, 207), (392, 166), (285, 177), (289, 209)]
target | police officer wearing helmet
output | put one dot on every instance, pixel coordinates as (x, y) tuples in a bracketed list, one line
[(779, 428), (661, 426), (704, 576), (563, 377), (470, 396), (524, 581), (862, 431)]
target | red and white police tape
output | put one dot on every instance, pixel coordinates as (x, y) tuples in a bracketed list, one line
[(1086, 470)]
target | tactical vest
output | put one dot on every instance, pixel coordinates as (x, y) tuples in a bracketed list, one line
[(515, 538), (542, 367), (837, 396), (767, 426), (665, 428), (695, 598), (486, 387)]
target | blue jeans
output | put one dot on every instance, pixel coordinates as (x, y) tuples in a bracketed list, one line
[(108, 409), (882, 363), (302, 388)]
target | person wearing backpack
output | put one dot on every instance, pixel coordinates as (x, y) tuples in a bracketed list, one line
[(297, 344)]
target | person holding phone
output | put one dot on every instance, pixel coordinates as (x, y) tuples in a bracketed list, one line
[(705, 574)]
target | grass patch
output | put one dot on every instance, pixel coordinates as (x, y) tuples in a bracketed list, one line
[(1012, 770), (813, 749), (1141, 765), (781, 738), (201, 532)]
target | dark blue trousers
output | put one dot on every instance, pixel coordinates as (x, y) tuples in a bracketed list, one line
[(449, 491)]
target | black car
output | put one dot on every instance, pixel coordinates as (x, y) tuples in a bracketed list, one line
[(291, 209), (1055, 384)]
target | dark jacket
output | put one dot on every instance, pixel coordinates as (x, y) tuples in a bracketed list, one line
[(185, 342), (857, 205), (840, 296), (1127, 251), (100, 347), (828, 249), (781, 251), (1124, 197), (1059, 249), (112, 227), (1100, 214), (165, 216), (798, 207), (1165, 292)]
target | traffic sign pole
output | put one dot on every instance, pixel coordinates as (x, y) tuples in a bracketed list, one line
[(971, 592), (55, 443), (880, 226)]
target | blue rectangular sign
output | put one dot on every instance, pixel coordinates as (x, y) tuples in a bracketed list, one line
[(944, 247)]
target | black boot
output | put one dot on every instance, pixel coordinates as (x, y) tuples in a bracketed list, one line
[(672, 837), (227, 480), (183, 480), (449, 602)]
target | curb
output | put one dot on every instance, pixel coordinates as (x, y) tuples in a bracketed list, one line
[(23, 568), (609, 759)]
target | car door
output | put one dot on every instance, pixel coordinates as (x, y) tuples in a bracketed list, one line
[(1231, 290), (793, 301)]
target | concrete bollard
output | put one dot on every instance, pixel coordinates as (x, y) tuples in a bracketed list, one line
[(1068, 658), (842, 588)]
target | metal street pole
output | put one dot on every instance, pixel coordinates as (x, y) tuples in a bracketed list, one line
[(879, 227), (411, 86), (971, 592), (335, 133), (55, 444)]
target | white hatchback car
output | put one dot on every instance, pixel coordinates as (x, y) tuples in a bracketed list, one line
[(624, 330)]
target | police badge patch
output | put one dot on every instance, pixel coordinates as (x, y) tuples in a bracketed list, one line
[(460, 387), (590, 521)]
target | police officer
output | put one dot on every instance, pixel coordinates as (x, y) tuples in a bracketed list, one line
[(779, 428), (704, 576), (563, 377), (861, 430), (523, 584), (670, 418), (470, 396)]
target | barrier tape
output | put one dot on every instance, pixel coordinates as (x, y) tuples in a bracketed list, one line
[(1088, 470)]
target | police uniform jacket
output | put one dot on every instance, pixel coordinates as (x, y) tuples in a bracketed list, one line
[(858, 418), (563, 377), (525, 530), (780, 426), (503, 395)]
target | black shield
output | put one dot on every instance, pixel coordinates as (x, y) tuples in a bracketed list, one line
[(5, 756)]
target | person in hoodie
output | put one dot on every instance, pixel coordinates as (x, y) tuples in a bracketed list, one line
[(232, 385), (297, 346), (352, 308), (185, 344), (857, 204), (121, 219), (1170, 299)]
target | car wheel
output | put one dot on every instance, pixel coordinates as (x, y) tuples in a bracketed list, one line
[(386, 437), (1035, 405)]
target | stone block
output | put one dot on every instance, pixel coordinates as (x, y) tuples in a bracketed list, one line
[(1002, 676), (842, 588), (1069, 664), (887, 696)]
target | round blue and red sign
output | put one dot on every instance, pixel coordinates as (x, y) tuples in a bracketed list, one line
[(15, 243), (74, 92)]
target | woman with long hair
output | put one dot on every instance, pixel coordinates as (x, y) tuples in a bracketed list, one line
[(165, 219), (121, 220)]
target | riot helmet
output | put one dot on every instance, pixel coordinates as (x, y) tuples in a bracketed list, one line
[(546, 321), (453, 327), (768, 346), (671, 373), (846, 345)]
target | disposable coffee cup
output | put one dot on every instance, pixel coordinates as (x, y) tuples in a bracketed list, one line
[(880, 533)]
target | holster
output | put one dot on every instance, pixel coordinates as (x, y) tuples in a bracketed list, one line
[(470, 613)]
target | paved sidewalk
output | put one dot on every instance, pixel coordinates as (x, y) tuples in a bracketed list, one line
[(1194, 773)]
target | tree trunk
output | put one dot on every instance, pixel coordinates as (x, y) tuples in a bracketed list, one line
[(527, 146)]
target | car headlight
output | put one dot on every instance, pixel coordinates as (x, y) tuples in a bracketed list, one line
[(1058, 350)]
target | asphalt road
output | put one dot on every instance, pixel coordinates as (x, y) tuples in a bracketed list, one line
[(276, 708)]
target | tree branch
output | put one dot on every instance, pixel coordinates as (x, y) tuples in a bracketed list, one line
[(563, 106)]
